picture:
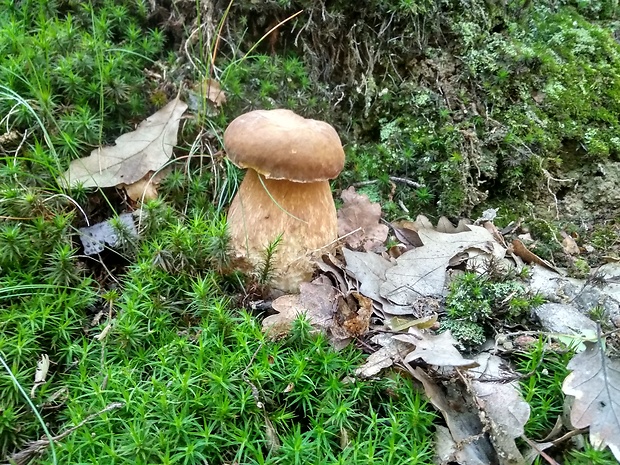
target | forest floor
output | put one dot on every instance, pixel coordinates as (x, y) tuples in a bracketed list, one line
[(479, 195)]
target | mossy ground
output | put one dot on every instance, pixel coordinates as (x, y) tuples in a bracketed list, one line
[(478, 102)]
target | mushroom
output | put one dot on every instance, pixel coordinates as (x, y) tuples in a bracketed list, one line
[(285, 191)]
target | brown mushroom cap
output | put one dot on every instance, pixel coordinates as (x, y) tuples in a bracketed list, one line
[(280, 144)]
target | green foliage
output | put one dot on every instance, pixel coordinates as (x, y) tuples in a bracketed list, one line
[(74, 69), (474, 301), (468, 333), (591, 456), (604, 237), (579, 269), (545, 371), (191, 373), (485, 97), (266, 268), (267, 82)]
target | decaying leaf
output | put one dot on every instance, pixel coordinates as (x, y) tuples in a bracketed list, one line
[(316, 300), (359, 222), (422, 271), (399, 323), (464, 441), (505, 410), (434, 349), (520, 250), (213, 92), (369, 270), (390, 350), (404, 233), (341, 316), (595, 385), (353, 312), (483, 415), (145, 188), (136, 153), (438, 350)]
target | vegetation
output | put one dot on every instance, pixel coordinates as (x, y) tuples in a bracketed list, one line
[(146, 342), (475, 302)]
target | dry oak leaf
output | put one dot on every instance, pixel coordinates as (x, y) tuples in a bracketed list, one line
[(148, 148), (422, 271), (317, 300), (359, 222), (391, 350), (595, 385), (437, 349)]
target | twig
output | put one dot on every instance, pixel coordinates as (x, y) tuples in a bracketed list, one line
[(406, 181), (35, 447), (540, 451)]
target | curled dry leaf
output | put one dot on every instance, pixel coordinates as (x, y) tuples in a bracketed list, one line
[(391, 350), (436, 350), (353, 312), (40, 375), (521, 251), (136, 153), (404, 232), (594, 383), (464, 441), (359, 222)]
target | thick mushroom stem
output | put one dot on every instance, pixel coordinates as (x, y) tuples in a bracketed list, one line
[(304, 213)]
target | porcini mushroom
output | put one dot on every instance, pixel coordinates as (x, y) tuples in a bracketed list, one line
[(290, 160)]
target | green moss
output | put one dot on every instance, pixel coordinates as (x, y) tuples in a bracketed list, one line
[(475, 301), (73, 66)]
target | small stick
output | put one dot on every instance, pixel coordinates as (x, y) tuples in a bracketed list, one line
[(406, 181), (35, 447)]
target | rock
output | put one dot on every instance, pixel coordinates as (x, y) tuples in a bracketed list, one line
[(563, 319)]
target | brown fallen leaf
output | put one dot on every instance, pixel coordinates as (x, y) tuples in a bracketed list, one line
[(136, 153), (317, 300), (213, 92), (422, 271), (445, 226), (369, 270), (405, 234), (505, 410), (520, 250), (353, 312), (464, 441), (391, 350), (495, 232), (359, 222), (594, 384), (146, 188), (437, 350)]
